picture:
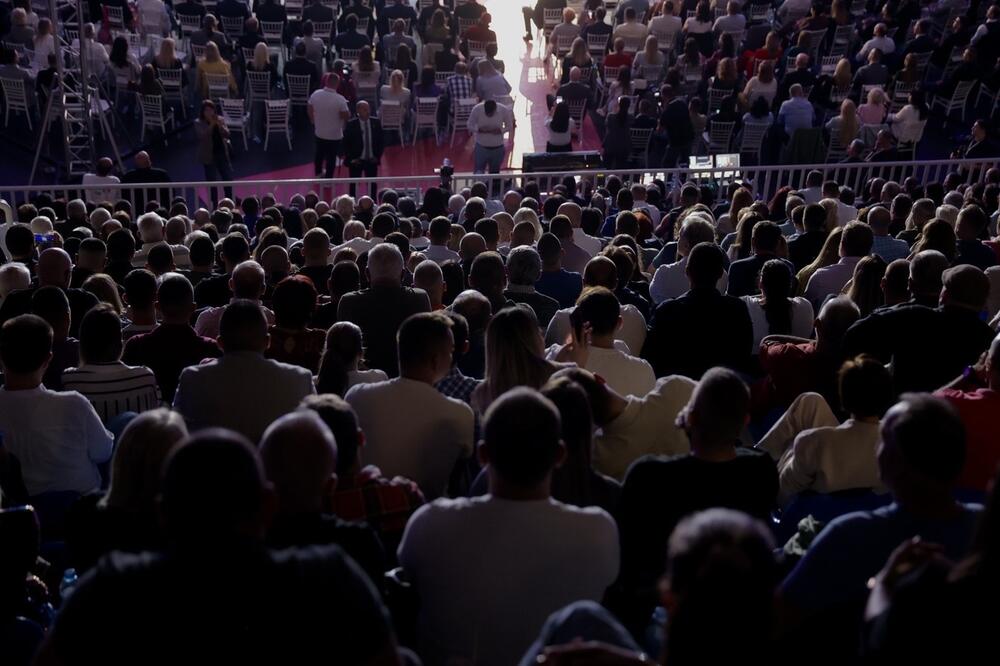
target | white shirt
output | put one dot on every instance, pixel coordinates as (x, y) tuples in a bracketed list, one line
[(630, 31), (632, 332), (182, 255), (440, 254), (502, 119), (490, 571), (907, 125), (670, 281), (114, 388), (645, 427), (830, 280), (589, 244), (883, 44), (327, 106), (208, 321), (358, 244), (355, 377), (802, 319), (102, 194), (845, 213), (811, 195), (664, 25), (425, 436), (624, 373), (826, 460), (57, 437)]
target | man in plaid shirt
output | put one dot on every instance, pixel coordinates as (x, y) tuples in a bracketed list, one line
[(363, 493), (458, 86)]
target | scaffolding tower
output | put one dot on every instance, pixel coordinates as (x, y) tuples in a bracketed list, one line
[(76, 95)]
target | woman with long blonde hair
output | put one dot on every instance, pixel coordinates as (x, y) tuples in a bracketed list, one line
[(846, 125), (515, 356), (828, 256)]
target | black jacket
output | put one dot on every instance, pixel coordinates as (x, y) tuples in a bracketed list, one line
[(354, 141)]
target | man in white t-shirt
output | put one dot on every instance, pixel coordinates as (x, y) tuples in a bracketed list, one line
[(427, 432), (329, 113), (56, 435), (103, 176), (513, 556), (626, 374)]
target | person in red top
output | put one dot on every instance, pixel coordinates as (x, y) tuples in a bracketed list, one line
[(795, 365), (770, 51), (480, 32), (362, 493), (976, 397), (618, 57), (173, 345)]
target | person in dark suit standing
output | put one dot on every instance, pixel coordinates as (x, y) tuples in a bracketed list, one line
[(363, 145)]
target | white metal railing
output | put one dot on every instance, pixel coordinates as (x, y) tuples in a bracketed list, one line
[(763, 180)]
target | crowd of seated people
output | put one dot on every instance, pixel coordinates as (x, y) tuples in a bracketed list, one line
[(386, 50), (784, 81), (580, 413)]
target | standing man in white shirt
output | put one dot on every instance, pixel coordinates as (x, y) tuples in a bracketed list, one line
[(428, 433), (487, 123), (57, 436), (328, 112), (514, 555)]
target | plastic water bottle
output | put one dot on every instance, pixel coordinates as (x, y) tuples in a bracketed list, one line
[(67, 583)]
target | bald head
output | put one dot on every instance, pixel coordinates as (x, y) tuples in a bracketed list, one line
[(142, 160), (247, 280), (471, 246), (572, 211), (300, 458), (54, 268), (575, 74)]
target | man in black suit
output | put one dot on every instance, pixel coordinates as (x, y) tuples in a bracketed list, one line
[(145, 172), (675, 123), (300, 65), (381, 308), (922, 42), (232, 9), (765, 239), (363, 146), (573, 91)]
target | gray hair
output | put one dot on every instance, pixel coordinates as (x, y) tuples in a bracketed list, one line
[(524, 265), (385, 262), (14, 276), (148, 224)]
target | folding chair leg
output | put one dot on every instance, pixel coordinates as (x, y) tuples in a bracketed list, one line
[(288, 137), (243, 131)]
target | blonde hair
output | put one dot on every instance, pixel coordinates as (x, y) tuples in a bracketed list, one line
[(849, 123), (829, 255), (396, 81), (212, 52), (167, 54), (515, 353), (261, 56), (842, 76), (876, 96), (106, 291), (142, 449)]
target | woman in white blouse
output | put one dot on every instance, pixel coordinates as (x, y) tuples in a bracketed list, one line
[(561, 127), (775, 311), (395, 91), (44, 44), (338, 367), (649, 61), (763, 85), (908, 125), (700, 22)]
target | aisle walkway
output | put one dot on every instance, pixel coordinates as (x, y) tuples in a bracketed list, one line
[(531, 84)]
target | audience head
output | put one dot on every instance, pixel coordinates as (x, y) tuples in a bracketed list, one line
[(522, 444)]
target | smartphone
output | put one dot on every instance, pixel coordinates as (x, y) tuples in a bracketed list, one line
[(559, 100), (44, 241)]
